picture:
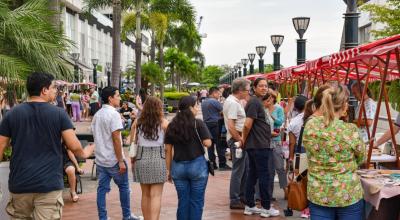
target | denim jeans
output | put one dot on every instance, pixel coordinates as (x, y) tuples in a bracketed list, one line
[(190, 180), (261, 167), (122, 181), (351, 212), (238, 176)]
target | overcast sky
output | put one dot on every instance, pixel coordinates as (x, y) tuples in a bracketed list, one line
[(236, 27)]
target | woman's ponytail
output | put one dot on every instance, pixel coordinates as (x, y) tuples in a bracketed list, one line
[(327, 107)]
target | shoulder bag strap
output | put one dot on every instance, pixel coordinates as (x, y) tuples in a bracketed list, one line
[(205, 151), (298, 146)]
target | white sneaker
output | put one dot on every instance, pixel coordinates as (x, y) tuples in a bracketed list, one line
[(251, 211), (270, 212)]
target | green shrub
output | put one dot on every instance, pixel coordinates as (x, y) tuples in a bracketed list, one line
[(170, 108), (175, 95), (173, 89)]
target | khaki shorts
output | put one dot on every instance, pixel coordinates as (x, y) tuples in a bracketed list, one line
[(38, 206)]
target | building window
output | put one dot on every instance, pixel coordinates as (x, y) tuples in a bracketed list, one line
[(365, 34)]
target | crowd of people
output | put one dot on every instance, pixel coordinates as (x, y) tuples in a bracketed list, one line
[(251, 120)]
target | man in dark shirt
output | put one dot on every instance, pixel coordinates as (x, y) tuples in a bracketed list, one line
[(126, 114), (211, 109), (36, 129), (257, 142)]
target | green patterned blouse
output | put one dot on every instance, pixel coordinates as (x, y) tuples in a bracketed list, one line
[(333, 153)]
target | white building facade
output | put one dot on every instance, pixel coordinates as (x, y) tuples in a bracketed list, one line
[(92, 37), (365, 25)]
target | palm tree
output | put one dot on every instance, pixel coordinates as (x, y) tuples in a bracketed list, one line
[(118, 6), (29, 42), (155, 15)]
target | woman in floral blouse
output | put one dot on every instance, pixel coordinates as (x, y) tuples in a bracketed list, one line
[(334, 151)]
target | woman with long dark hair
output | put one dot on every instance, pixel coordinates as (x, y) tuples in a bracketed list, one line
[(149, 167), (184, 141)]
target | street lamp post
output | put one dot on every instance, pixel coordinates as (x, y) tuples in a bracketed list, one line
[(277, 41), (351, 25), (95, 62), (252, 56), (244, 63), (300, 25), (75, 58), (108, 65), (261, 51), (120, 79), (239, 66)]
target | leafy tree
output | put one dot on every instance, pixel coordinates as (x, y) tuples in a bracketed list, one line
[(211, 74), (181, 65), (29, 42), (387, 14)]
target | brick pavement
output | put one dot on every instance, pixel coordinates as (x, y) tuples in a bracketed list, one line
[(216, 199)]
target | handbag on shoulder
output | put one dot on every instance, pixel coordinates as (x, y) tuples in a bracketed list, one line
[(210, 164), (133, 148), (297, 188)]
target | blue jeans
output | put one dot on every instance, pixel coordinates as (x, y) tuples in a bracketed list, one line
[(261, 167), (351, 212), (122, 181), (190, 180)]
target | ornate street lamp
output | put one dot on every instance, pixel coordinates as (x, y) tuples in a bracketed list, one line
[(277, 41), (252, 56), (244, 63), (108, 65), (95, 62), (239, 66), (300, 25), (261, 51), (351, 25), (75, 58)]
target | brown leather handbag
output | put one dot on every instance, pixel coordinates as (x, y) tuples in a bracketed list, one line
[(297, 188), (297, 192)]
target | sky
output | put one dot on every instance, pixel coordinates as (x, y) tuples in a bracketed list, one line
[(235, 27)]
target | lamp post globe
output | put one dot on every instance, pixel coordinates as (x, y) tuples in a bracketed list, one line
[(277, 41), (300, 25), (251, 56), (261, 51), (244, 63)]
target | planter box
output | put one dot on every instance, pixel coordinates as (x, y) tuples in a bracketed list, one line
[(4, 193)]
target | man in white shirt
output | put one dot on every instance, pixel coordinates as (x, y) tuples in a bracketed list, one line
[(110, 158), (234, 118)]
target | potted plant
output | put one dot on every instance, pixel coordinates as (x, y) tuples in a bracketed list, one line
[(4, 172)]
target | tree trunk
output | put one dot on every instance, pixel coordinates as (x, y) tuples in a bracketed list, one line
[(116, 44), (153, 48), (161, 52), (138, 47), (178, 81), (54, 6)]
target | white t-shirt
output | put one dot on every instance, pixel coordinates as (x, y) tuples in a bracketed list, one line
[(295, 125), (106, 121), (233, 110), (203, 93), (370, 110)]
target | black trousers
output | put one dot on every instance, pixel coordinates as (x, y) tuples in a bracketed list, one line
[(213, 127)]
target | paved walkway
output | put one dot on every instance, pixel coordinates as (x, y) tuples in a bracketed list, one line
[(216, 200)]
